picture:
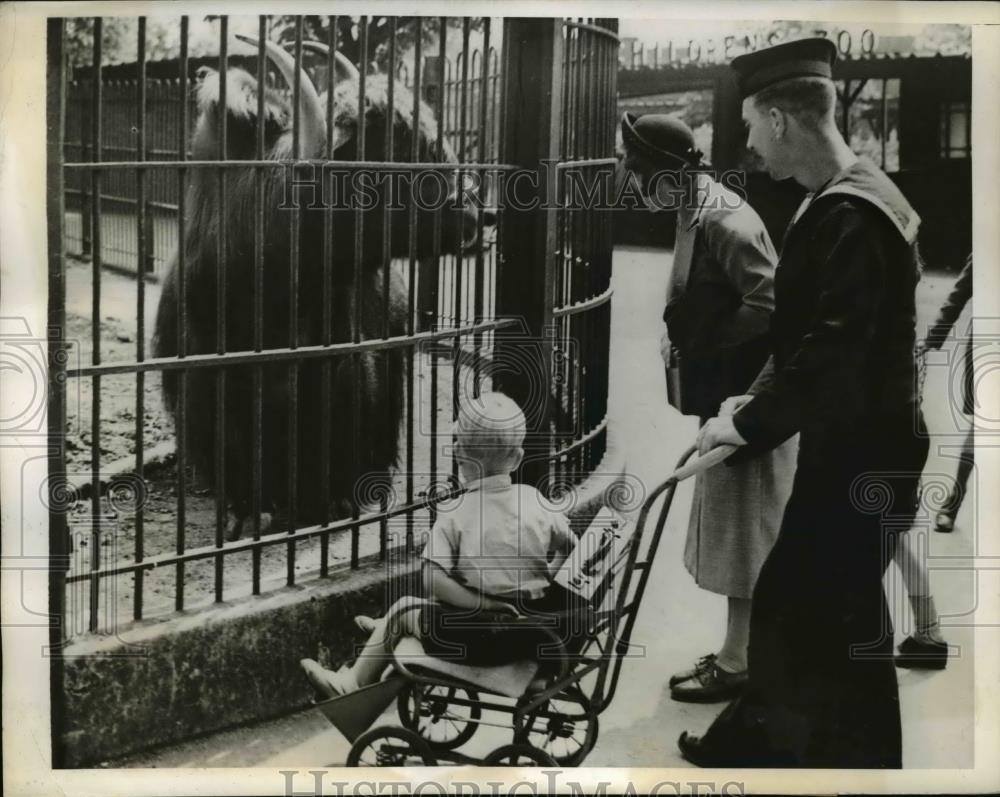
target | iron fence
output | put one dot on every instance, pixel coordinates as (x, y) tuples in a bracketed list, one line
[(307, 332), (584, 243), (464, 91)]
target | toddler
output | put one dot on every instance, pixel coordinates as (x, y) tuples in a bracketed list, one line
[(491, 557)]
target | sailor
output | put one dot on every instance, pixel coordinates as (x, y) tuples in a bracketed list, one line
[(821, 689)]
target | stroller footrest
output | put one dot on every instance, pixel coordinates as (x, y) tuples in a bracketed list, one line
[(352, 714)]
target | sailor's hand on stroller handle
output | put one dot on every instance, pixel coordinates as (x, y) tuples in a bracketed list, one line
[(732, 405), (717, 432)]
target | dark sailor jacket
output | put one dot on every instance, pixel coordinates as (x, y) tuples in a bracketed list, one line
[(843, 328)]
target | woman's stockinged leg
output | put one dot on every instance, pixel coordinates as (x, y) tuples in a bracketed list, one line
[(733, 654)]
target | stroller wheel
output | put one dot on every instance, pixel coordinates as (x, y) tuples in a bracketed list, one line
[(519, 755), (565, 727), (432, 712), (390, 747)]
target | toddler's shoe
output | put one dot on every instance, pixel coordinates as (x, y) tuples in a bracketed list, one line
[(329, 683), (365, 623)]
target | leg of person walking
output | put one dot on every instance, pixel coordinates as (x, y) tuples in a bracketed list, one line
[(925, 648)]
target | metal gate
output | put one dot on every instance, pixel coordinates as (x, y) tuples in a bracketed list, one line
[(559, 108), (528, 312)]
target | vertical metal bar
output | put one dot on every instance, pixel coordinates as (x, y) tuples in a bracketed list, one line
[(495, 158), (411, 400), (59, 544), (573, 422), (257, 431), (182, 375), (356, 308), (566, 219), (295, 240), (482, 157), (571, 221), (389, 156), (359, 217), (140, 310), (585, 276), (459, 260), (86, 136), (436, 248), (220, 330), (597, 254), (593, 253), (386, 252), (885, 119), (571, 288), (561, 254), (95, 412), (326, 399), (444, 280), (610, 87)]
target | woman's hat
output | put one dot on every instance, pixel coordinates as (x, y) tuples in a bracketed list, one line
[(800, 58), (661, 137)]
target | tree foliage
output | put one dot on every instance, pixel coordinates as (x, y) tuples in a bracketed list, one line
[(119, 40), (120, 36), (379, 34)]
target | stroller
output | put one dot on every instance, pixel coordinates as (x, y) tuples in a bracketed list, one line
[(550, 706)]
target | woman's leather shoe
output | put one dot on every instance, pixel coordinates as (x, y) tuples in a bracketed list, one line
[(700, 666), (922, 654), (710, 685)]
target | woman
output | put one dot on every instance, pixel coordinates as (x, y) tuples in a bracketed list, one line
[(719, 300)]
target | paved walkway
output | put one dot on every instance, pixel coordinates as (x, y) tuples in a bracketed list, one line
[(677, 622)]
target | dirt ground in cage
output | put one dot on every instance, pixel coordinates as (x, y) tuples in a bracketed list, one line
[(116, 542)]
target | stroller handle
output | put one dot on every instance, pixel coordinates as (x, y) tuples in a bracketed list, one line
[(697, 464)]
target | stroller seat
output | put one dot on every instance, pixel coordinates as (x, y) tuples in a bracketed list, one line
[(509, 680)]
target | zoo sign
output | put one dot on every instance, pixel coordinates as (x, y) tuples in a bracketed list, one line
[(711, 51)]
